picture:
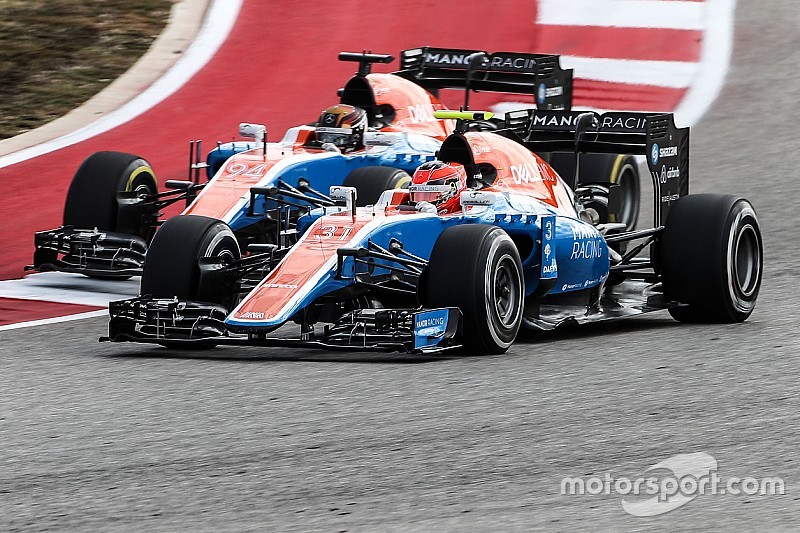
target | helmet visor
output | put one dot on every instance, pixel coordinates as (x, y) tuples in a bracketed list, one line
[(337, 136)]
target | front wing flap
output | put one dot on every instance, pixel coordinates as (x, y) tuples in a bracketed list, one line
[(175, 322), (88, 251)]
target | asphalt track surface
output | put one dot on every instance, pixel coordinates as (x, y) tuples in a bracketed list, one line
[(119, 437)]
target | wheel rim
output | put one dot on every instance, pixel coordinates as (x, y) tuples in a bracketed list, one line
[(506, 291), (629, 197), (143, 189), (223, 246), (747, 261)]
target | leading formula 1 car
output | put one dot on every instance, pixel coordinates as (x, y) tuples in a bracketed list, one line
[(521, 251)]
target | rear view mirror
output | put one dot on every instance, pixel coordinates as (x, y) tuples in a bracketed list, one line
[(253, 131)]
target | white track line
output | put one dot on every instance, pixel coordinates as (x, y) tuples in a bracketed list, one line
[(624, 13), (217, 25), (54, 320), (61, 287), (675, 74), (714, 62), (703, 80)]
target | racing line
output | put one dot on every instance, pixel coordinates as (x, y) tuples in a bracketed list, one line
[(648, 55)]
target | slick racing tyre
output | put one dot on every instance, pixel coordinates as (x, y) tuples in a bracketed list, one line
[(476, 267), (599, 171), (370, 182), (712, 258), (93, 199), (171, 267)]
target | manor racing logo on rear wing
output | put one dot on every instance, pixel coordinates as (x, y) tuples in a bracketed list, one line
[(537, 75), (655, 136)]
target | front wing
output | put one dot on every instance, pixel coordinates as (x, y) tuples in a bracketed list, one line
[(177, 323)]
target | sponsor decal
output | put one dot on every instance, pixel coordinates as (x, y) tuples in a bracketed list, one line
[(444, 58), (482, 149), (512, 63), (421, 187), (668, 151), (550, 269), (657, 152), (622, 122), (476, 198), (502, 62), (251, 315), (667, 174), (544, 92), (430, 322), (571, 286), (589, 249), (419, 113), (667, 198), (430, 328), (524, 173), (559, 121), (549, 265), (588, 244), (280, 285)]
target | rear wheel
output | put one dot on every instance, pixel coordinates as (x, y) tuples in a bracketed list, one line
[(598, 171), (93, 199), (172, 266), (712, 258), (476, 267), (370, 182)]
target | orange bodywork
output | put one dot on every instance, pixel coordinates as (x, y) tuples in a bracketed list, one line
[(244, 170), (313, 256), (413, 106), (519, 171)]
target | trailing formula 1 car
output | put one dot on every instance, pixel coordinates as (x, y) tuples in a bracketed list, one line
[(113, 206), (486, 240)]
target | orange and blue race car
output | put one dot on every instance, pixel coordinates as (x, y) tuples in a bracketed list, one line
[(486, 240), (113, 206)]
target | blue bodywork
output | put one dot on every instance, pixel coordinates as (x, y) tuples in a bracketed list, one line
[(554, 247), (324, 169)]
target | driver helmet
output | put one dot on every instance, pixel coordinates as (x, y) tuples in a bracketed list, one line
[(438, 183), (343, 126)]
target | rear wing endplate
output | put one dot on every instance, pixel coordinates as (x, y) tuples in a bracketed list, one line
[(538, 75), (665, 146)]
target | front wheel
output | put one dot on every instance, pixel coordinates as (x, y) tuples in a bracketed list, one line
[(476, 267), (93, 199), (712, 258), (172, 266)]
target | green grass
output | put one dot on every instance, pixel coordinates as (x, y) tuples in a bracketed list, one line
[(56, 54)]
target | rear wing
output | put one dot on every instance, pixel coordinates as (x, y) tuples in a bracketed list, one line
[(537, 75), (665, 146)]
